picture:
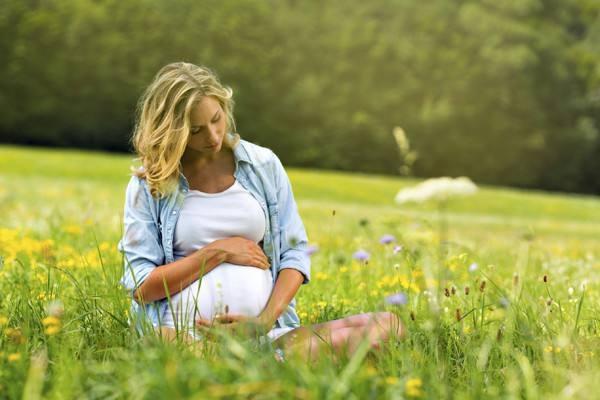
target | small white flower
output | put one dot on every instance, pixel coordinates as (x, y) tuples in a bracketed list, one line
[(473, 267), (437, 189), (570, 290)]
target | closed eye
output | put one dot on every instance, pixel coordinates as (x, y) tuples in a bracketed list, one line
[(197, 129)]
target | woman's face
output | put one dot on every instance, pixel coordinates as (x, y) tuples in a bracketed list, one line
[(208, 125)]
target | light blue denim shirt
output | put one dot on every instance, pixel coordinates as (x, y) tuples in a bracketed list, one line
[(149, 228)]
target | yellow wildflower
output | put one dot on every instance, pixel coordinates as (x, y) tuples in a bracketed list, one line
[(370, 371), (3, 320), (14, 357), (104, 246), (50, 320), (321, 276), (343, 270), (52, 330), (346, 302), (391, 380), (413, 387), (73, 229)]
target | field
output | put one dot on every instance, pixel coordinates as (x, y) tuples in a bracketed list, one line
[(516, 314)]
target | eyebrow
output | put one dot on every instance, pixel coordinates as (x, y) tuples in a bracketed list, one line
[(202, 126)]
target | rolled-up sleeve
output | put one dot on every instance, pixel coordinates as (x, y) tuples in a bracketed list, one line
[(140, 244), (294, 241)]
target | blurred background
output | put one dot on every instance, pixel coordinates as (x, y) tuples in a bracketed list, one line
[(505, 92)]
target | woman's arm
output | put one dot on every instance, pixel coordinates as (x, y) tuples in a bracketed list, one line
[(287, 285), (172, 278), (179, 274)]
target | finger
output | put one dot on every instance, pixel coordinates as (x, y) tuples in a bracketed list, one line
[(203, 322), (229, 318)]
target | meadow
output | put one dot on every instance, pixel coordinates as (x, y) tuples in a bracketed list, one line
[(510, 310)]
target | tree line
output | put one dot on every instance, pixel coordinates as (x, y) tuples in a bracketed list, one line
[(503, 92)]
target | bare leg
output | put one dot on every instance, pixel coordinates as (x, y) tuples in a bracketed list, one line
[(342, 336)]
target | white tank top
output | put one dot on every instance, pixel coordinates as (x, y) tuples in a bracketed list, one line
[(204, 218)]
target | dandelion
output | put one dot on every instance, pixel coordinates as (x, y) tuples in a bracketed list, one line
[(413, 387), (52, 325), (439, 189), (50, 320), (387, 239), (14, 334), (52, 330), (14, 357), (397, 299), (321, 276), (361, 255), (73, 229), (311, 249), (391, 380)]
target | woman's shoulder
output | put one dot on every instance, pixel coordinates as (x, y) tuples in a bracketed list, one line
[(255, 154)]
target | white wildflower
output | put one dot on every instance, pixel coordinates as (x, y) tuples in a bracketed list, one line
[(437, 189)]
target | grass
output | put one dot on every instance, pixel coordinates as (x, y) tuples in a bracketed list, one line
[(517, 337)]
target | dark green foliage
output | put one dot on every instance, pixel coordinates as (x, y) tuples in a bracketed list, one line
[(506, 93)]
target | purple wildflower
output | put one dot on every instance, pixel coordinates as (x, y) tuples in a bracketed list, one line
[(361, 255), (387, 239), (397, 249), (397, 299), (311, 249)]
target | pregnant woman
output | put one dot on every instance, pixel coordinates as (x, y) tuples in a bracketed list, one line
[(212, 236)]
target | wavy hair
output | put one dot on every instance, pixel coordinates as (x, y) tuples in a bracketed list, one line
[(162, 127)]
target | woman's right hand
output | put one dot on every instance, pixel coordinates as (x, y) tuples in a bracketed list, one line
[(241, 251)]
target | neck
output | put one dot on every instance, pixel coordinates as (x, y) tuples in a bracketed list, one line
[(196, 159)]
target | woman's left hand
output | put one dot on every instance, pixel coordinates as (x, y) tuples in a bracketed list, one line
[(234, 324)]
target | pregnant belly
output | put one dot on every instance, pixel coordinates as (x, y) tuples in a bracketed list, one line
[(244, 290)]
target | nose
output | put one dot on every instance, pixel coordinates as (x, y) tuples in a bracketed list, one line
[(213, 137)]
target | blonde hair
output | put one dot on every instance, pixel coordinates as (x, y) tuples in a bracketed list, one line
[(162, 127)]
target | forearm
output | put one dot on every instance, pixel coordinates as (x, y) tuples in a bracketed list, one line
[(287, 285), (177, 275)]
